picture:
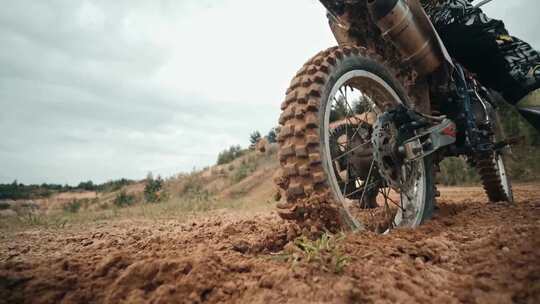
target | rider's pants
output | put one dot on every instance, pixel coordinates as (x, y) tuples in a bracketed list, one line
[(484, 47)]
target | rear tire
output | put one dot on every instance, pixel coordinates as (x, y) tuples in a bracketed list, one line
[(492, 169)]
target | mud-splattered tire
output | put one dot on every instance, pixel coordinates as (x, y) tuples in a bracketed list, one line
[(492, 169), (494, 177), (303, 182)]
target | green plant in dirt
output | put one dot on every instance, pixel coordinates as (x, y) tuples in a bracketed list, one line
[(152, 189), (123, 199), (41, 220), (327, 252), (73, 207)]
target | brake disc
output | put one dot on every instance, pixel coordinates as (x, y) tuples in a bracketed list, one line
[(385, 152)]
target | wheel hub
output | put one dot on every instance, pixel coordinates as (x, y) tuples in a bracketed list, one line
[(385, 151)]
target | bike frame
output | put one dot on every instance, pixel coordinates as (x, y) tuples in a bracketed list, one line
[(410, 30)]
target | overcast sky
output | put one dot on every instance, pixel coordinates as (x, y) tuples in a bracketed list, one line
[(101, 90)]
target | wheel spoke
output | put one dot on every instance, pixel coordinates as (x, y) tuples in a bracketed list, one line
[(351, 150), (361, 189), (387, 197), (387, 207), (367, 179), (347, 174), (348, 110), (352, 111)]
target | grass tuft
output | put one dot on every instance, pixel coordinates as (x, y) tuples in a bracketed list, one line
[(326, 253)]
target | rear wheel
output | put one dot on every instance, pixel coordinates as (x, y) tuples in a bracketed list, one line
[(491, 166), (495, 178), (332, 126)]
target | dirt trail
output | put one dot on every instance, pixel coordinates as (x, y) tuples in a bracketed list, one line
[(471, 252)]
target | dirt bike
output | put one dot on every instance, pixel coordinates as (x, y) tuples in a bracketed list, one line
[(365, 124)]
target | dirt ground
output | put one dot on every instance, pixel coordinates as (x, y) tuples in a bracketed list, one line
[(471, 252)]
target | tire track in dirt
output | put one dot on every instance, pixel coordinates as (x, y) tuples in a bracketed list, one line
[(471, 252)]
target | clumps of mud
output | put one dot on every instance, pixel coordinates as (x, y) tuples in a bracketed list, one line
[(314, 215)]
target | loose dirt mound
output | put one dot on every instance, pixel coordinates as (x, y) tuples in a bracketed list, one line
[(471, 252)]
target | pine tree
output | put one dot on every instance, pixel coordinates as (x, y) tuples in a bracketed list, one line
[(152, 188), (254, 138), (339, 109), (272, 136)]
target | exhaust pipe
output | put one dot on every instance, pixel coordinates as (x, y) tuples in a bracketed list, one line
[(410, 31)]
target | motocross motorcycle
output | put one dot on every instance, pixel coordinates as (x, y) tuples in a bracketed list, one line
[(365, 124)]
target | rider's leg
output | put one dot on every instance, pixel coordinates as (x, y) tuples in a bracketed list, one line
[(483, 45)]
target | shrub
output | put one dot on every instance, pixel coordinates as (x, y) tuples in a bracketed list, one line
[(230, 154), (73, 207), (114, 185), (88, 186), (456, 171), (152, 189), (123, 199)]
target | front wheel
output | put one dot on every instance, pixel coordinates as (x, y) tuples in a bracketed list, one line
[(335, 148)]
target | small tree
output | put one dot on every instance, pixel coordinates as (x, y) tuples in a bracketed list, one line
[(123, 199), (73, 207), (339, 109), (254, 138), (152, 188), (272, 135), (88, 186), (229, 155), (361, 105)]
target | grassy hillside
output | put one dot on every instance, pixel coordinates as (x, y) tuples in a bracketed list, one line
[(244, 183)]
